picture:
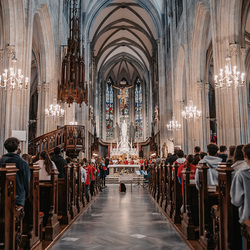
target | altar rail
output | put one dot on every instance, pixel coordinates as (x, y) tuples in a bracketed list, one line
[(71, 138)]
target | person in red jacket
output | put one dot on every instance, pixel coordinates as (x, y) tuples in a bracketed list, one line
[(103, 173), (125, 161), (189, 166), (87, 183)]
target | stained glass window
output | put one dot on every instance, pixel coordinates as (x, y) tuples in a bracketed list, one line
[(109, 109), (138, 109)]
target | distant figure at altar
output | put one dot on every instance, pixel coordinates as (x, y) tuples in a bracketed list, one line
[(117, 130), (132, 132)]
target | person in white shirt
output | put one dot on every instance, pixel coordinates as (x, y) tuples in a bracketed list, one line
[(83, 174), (46, 166)]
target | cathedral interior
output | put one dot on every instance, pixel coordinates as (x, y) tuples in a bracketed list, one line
[(104, 77)]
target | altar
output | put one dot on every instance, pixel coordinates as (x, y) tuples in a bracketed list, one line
[(115, 170)]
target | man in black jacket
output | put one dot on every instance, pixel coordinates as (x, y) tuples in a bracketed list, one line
[(23, 175), (59, 161), (174, 157), (106, 164)]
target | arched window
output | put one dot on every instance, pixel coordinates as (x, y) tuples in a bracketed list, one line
[(138, 109), (109, 109)]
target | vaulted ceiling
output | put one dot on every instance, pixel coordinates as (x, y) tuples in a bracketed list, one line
[(123, 37)]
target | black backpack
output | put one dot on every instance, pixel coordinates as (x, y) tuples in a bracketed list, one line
[(123, 187)]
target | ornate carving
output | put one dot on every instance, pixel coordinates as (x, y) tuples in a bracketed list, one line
[(222, 187), (10, 49), (1, 54), (46, 87), (36, 183), (10, 188), (233, 49), (243, 54), (216, 224)]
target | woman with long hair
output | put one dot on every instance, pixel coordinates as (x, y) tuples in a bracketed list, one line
[(238, 159), (46, 166)]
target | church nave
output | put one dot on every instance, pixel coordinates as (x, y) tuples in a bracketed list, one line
[(117, 220)]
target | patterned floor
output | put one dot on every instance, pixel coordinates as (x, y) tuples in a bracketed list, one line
[(122, 221)]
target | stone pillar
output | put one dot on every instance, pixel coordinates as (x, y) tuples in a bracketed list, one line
[(46, 105), (39, 111), (205, 117)]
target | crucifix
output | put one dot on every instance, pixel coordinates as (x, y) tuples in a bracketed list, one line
[(123, 95)]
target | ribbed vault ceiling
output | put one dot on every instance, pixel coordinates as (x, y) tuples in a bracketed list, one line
[(123, 37)]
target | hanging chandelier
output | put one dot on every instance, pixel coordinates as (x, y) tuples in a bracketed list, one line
[(227, 76), (72, 89), (54, 110), (191, 111), (174, 125), (12, 80)]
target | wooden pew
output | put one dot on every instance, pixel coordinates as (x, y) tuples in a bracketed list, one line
[(157, 182), (50, 188), (32, 223), (151, 179), (64, 196), (170, 189), (207, 198), (190, 221), (73, 187), (177, 197), (164, 192), (8, 211), (226, 224)]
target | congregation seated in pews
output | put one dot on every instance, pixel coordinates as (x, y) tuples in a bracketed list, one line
[(35, 202), (207, 199)]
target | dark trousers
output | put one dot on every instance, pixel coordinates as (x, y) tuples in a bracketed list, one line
[(92, 187)]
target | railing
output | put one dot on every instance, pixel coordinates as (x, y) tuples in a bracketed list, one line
[(71, 138)]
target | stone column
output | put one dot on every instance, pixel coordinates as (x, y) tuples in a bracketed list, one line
[(205, 117), (46, 105), (39, 111), (243, 98)]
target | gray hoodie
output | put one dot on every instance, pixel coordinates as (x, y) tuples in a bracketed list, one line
[(240, 193), (212, 174)]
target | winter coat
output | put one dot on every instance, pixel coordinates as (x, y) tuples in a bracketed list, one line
[(22, 177), (212, 174), (240, 193)]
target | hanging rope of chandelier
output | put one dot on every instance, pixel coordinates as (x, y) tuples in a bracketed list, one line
[(72, 87)]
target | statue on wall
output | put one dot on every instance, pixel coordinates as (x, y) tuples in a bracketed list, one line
[(124, 129), (132, 132), (156, 113), (117, 130)]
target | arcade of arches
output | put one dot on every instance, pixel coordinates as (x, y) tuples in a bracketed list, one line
[(162, 53)]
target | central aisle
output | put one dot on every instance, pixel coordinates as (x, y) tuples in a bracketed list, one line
[(121, 221)]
